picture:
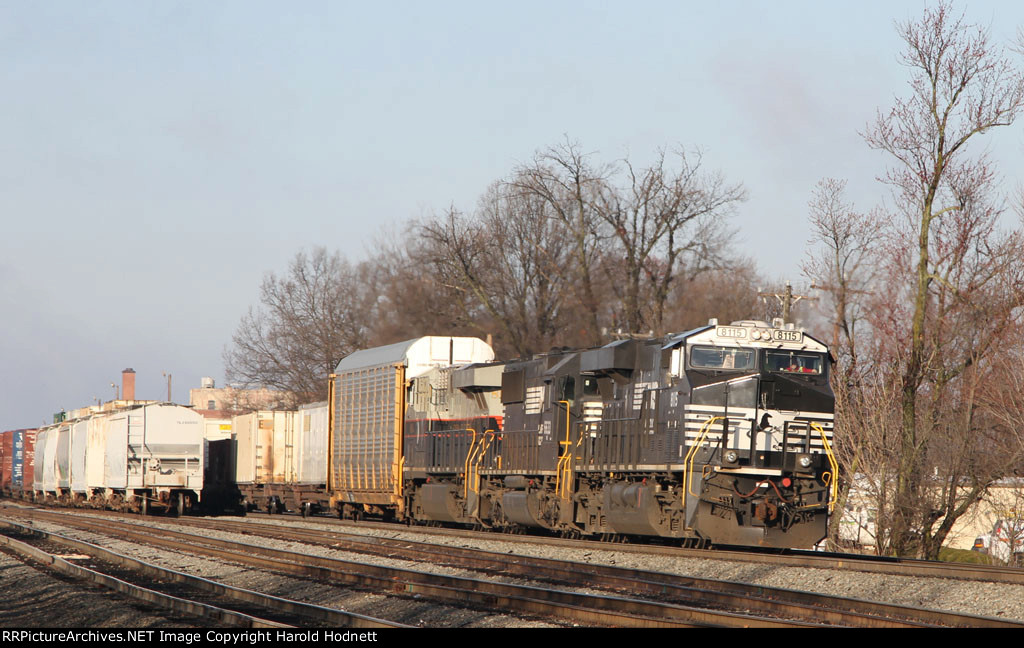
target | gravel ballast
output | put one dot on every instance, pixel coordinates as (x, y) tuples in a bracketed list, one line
[(966, 597)]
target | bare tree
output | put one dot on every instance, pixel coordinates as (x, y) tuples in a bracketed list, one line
[(643, 229), (729, 294), (573, 190), (961, 86), (417, 294), (666, 223), (842, 265), (306, 322), (510, 259)]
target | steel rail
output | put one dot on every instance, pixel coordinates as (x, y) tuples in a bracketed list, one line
[(809, 606), (151, 596), (785, 557), (591, 609)]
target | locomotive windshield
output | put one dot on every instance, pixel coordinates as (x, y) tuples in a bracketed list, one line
[(795, 362), (705, 357)]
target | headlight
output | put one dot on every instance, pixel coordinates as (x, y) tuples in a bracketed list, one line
[(731, 456), (805, 461)]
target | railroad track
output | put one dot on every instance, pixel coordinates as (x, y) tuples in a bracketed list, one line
[(527, 600), (168, 589), (795, 604), (675, 598), (789, 557)]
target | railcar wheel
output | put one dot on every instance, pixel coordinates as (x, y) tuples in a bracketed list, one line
[(179, 508)]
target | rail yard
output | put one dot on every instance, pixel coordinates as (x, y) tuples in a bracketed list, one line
[(370, 575), (440, 488)]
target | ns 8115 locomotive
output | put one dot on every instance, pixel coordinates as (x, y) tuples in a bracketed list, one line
[(721, 434)]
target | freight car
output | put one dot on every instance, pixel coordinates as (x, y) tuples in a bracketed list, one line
[(346, 454), (133, 458), (281, 459), (720, 434), (17, 462), (368, 402)]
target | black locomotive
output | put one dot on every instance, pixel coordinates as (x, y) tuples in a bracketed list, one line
[(721, 434)]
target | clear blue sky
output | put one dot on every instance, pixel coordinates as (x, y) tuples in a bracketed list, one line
[(158, 158)]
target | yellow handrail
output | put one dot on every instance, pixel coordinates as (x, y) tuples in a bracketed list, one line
[(465, 469), (485, 444), (692, 453), (832, 478), (563, 473)]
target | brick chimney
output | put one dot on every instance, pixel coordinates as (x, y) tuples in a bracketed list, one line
[(128, 384)]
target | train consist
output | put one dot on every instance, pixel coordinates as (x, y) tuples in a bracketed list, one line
[(721, 434), (130, 456)]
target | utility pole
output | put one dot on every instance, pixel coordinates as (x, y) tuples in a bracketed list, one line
[(787, 299)]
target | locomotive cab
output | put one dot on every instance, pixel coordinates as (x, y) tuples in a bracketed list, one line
[(760, 428)]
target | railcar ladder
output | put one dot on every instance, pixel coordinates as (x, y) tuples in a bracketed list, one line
[(136, 422)]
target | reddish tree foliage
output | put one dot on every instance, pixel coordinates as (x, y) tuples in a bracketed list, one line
[(946, 302)]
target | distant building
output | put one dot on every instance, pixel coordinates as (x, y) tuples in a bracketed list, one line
[(236, 400), (126, 400), (1004, 500)]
